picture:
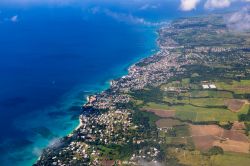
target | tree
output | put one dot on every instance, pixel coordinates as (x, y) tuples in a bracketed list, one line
[(215, 150)]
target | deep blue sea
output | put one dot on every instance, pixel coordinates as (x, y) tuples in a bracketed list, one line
[(53, 55)]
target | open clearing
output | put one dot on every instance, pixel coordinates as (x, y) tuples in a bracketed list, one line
[(235, 105), (206, 136), (239, 87), (233, 146), (164, 123), (195, 114), (162, 113), (195, 158), (239, 126)]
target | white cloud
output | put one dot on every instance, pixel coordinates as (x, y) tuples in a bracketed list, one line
[(239, 21), (95, 9), (187, 5), (144, 7), (55, 142), (129, 18), (37, 151), (122, 17), (212, 4), (14, 18), (149, 6)]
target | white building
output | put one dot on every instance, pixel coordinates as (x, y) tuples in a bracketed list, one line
[(205, 86), (212, 86)]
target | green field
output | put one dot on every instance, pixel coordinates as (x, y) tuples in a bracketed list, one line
[(198, 114), (238, 87), (230, 159), (196, 104), (168, 123), (211, 94), (206, 102), (195, 158)]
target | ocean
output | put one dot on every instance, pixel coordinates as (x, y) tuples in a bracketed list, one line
[(53, 55)]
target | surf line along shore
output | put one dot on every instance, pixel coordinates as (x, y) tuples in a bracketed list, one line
[(104, 108), (115, 85), (92, 98), (89, 98)]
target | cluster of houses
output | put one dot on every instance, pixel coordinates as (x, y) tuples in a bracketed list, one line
[(153, 72), (105, 100), (172, 89), (148, 154), (114, 125), (75, 151), (105, 128), (203, 49)]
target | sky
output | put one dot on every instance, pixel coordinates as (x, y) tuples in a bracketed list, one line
[(240, 20), (185, 5)]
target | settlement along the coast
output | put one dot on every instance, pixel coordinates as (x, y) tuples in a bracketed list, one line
[(186, 104)]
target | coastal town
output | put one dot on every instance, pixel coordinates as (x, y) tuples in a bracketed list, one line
[(158, 110)]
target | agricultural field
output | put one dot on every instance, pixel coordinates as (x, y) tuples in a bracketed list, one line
[(230, 159), (176, 133), (196, 158), (166, 123), (181, 106), (238, 87), (211, 94), (236, 105), (204, 111), (207, 136), (196, 114), (186, 101)]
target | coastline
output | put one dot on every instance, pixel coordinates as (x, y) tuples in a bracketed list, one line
[(124, 72), (105, 110), (77, 127), (126, 68), (106, 99)]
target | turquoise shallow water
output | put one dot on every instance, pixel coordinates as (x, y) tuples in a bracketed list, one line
[(49, 74)]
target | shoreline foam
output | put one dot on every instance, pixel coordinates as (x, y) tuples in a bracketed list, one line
[(125, 68), (152, 53)]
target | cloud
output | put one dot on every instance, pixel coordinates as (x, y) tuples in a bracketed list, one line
[(37, 151), (212, 4), (187, 5), (14, 18), (129, 18), (144, 7), (149, 6), (124, 17), (55, 142), (239, 21), (95, 10)]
